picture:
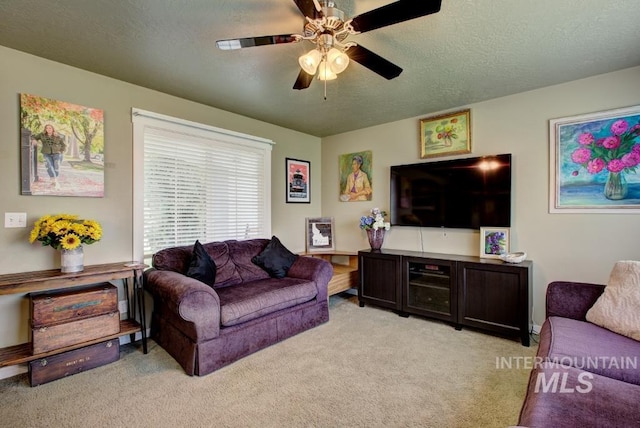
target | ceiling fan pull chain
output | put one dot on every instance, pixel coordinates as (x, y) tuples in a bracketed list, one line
[(325, 81)]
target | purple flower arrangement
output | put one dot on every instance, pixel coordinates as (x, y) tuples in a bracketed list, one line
[(494, 242)]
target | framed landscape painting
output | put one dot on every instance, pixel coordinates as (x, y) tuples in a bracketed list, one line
[(594, 161)]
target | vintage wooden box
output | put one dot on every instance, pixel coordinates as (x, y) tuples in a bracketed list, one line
[(68, 363), (56, 336), (66, 305)]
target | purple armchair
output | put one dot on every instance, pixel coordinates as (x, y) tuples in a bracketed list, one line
[(207, 327)]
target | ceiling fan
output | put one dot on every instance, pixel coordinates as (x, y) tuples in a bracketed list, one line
[(326, 27)]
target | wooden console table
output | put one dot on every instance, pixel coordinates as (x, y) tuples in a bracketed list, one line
[(53, 279), (345, 276)]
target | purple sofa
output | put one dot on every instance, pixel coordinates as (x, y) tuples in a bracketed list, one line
[(584, 375), (207, 327)]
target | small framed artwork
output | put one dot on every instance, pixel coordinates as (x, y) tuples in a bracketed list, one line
[(594, 161), (298, 181), (320, 234), (494, 241), (446, 134)]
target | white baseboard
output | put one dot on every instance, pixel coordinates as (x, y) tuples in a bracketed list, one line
[(536, 329), (11, 371)]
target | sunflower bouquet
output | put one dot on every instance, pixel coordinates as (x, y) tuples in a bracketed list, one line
[(65, 231)]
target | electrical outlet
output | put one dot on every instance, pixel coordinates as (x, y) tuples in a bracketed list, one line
[(122, 306), (15, 220)]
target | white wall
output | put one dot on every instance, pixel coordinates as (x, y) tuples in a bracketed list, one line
[(23, 73), (562, 246)]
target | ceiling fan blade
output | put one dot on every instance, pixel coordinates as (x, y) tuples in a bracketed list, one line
[(248, 42), (394, 13), (374, 62), (303, 81), (310, 8)]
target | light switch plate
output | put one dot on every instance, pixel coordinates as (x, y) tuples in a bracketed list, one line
[(15, 220)]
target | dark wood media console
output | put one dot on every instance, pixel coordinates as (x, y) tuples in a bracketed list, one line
[(486, 294)]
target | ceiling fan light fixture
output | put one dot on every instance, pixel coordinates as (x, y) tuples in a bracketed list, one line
[(310, 61), (338, 61), (325, 72)]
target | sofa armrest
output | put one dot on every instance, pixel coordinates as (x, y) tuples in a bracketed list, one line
[(571, 299), (318, 270), (189, 299)]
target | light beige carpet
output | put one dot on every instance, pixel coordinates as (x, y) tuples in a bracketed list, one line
[(367, 367)]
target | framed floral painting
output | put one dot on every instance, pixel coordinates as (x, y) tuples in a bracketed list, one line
[(446, 134), (594, 161), (494, 241)]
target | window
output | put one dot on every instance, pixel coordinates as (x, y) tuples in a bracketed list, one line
[(197, 182)]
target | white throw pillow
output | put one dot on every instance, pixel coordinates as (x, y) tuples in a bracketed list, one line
[(618, 308)]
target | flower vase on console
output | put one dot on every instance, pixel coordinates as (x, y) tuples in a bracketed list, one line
[(376, 238), (376, 227), (66, 232), (72, 260)]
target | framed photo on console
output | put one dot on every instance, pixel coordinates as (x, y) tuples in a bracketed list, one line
[(320, 234), (493, 242)]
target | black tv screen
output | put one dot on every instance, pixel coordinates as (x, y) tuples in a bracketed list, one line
[(462, 193)]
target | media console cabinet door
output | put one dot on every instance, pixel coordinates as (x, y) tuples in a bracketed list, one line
[(495, 298), (380, 280)]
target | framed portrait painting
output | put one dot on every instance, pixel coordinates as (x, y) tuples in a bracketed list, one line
[(494, 241), (356, 182), (320, 234), (594, 161), (445, 134), (298, 181), (62, 148)]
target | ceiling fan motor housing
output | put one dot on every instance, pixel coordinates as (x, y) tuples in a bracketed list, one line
[(333, 20)]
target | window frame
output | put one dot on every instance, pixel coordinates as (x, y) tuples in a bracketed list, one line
[(142, 120)]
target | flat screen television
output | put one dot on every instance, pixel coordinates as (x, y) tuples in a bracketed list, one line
[(461, 193)]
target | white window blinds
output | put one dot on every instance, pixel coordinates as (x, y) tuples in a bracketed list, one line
[(206, 185)]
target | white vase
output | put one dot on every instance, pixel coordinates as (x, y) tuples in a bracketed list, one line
[(72, 260)]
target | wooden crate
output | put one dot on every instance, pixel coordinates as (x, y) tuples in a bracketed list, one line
[(56, 336), (62, 306), (69, 363)]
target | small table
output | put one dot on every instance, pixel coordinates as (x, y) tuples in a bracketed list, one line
[(53, 279), (345, 276)]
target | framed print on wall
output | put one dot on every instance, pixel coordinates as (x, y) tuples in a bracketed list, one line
[(320, 234), (446, 134), (493, 242), (355, 176), (298, 181), (594, 160), (62, 148)]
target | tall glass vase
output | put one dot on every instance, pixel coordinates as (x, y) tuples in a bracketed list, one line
[(615, 187), (72, 260), (376, 238)]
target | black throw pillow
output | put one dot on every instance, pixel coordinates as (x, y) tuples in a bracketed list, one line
[(276, 259), (201, 267)]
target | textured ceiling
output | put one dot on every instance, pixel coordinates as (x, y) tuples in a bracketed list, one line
[(472, 50)]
